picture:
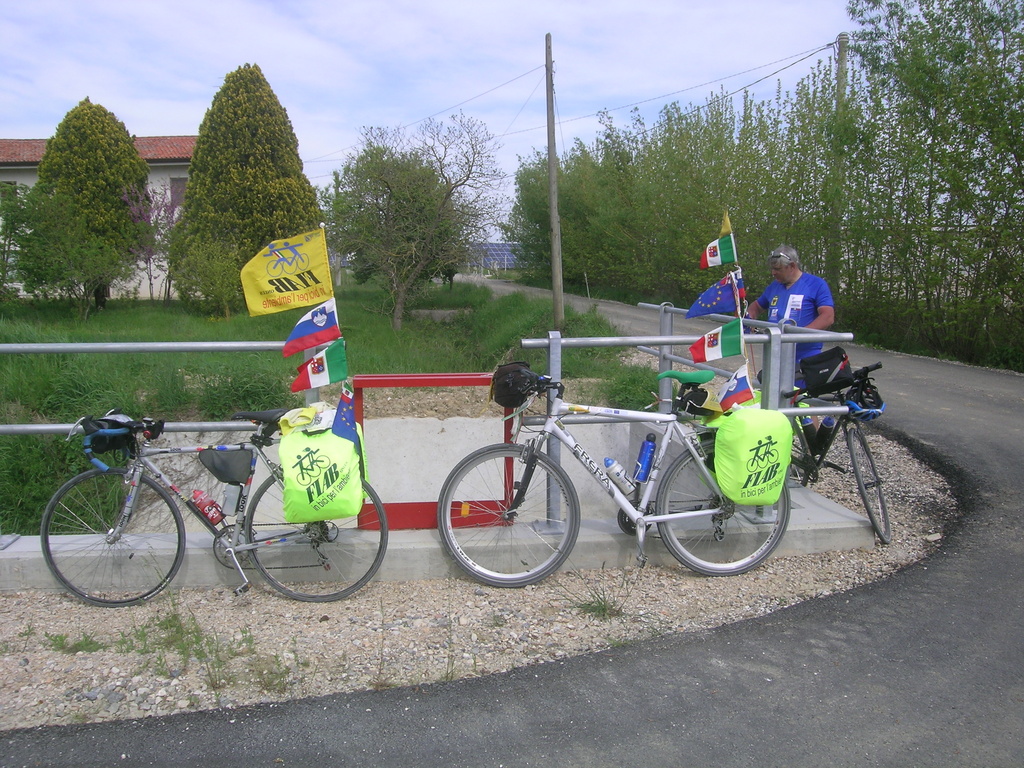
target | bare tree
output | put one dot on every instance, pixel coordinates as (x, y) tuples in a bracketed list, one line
[(408, 208)]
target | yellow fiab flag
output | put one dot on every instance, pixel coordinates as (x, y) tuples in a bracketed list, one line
[(288, 273)]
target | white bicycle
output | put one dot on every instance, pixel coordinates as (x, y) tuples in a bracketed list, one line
[(509, 515)]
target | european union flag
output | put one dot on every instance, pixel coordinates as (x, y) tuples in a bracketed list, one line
[(719, 298), (345, 418)]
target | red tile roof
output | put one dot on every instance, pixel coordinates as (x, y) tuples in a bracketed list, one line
[(151, 149), (165, 147)]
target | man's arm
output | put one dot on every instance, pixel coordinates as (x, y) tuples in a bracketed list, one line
[(826, 316)]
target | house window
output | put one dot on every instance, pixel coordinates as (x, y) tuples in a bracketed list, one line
[(178, 188)]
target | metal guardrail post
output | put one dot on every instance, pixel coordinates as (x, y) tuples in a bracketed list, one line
[(771, 370), (554, 521), (664, 360)]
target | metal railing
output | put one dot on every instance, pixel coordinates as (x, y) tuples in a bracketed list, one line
[(400, 514), (777, 373), (130, 348), (775, 339)]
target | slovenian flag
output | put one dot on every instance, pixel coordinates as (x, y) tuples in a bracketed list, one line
[(736, 390), (724, 341), (318, 326), (722, 250), (329, 366)]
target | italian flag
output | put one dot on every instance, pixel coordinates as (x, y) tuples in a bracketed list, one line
[(724, 341), (322, 369), (722, 250)]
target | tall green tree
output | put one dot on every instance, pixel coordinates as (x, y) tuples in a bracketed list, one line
[(947, 82), (80, 233), (245, 189), (406, 208)]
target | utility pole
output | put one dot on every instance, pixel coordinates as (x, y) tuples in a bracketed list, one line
[(843, 41), (837, 170), (556, 228)]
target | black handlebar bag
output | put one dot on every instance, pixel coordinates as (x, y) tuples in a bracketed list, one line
[(512, 384), (828, 371)]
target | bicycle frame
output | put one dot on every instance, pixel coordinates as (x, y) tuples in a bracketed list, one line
[(143, 464), (665, 423), (811, 461)]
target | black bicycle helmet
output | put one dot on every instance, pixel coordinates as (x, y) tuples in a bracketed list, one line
[(864, 401)]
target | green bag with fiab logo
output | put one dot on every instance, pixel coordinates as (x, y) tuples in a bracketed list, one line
[(753, 449), (323, 470)]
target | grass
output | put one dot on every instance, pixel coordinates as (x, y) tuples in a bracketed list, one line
[(175, 641), (605, 596), (84, 644)]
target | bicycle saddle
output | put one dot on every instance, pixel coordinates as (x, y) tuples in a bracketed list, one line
[(688, 377), (265, 417)]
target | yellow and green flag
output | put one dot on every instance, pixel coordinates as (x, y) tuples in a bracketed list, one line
[(288, 273), (722, 250)]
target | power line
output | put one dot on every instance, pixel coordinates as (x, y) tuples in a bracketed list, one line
[(799, 57), (439, 112), (805, 55)]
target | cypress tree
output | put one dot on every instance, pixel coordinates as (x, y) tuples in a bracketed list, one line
[(245, 188), (82, 232)]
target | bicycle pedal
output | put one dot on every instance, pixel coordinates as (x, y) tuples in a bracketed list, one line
[(241, 589)]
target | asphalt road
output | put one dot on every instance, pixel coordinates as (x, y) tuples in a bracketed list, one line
[(925, 668)]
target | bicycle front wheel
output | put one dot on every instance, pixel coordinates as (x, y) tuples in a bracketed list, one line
[(733, 540), (92, 559), (315, 562), (509, 517), (868, 482)]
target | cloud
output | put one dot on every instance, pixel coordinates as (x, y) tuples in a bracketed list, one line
[(339, 66)]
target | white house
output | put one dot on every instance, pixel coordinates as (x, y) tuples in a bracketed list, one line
[(168, 158)]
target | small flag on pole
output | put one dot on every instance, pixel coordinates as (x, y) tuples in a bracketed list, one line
[(345, 425), (721, 298), (724, 341), (318, 326), (345, 418), (722, 250), (737, 389), (329, 366)]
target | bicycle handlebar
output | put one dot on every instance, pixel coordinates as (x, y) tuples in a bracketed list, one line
[(87, 444), (545, 383)]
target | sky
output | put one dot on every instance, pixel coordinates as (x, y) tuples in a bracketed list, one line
[(339, 66)]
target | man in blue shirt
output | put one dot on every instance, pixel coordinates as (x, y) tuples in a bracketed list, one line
[(795, 295)]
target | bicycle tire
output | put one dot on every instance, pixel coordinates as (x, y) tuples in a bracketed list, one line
[(868, 481), (315, 562), (487, 544), (723, 544), (131, 570)]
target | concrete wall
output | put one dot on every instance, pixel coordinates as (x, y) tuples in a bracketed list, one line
[(409, 459)]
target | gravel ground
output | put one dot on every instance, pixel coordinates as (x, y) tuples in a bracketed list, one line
[(62, 661)]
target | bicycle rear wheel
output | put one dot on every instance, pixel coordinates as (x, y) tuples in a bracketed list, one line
[(82, 555), (508, 517), (734, 540), (868, 482), (315, 562)]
